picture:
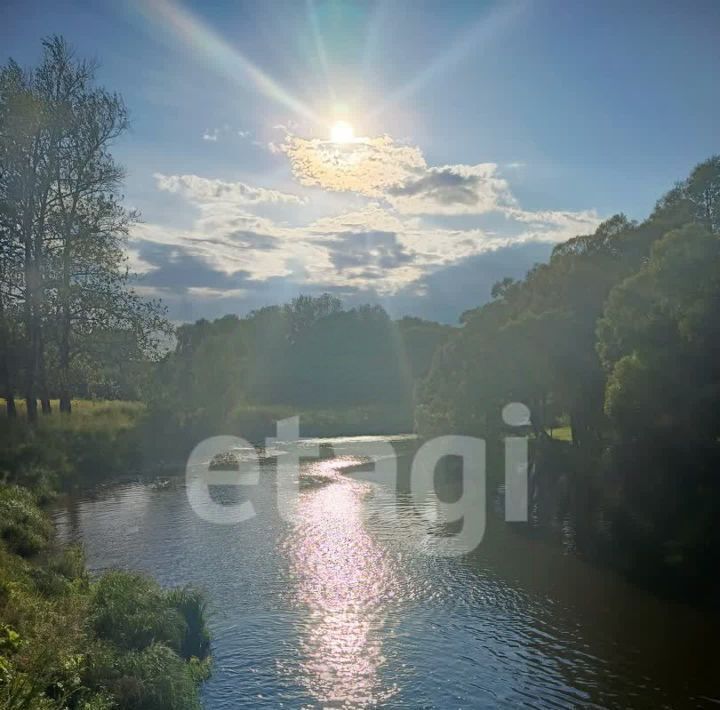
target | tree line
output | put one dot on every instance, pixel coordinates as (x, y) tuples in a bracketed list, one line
[(307, 355), (618, 337), (67, 314)]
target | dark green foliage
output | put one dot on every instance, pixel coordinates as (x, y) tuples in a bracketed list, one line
[(619, 336), (659, 341), (191, 605), (156, 641), (154, 678), (23, 527), (100, 440), (132, 612), (344, 371)]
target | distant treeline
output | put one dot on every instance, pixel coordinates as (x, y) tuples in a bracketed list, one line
[(619, 337), (346, 371)]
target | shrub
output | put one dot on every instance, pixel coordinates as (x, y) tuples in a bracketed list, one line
[(133, 612), (23, 527), (154, 678), (191, 605)]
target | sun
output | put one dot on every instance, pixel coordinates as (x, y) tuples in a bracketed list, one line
[(341, 132)]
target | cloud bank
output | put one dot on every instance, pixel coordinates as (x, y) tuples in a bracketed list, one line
[(382, 229)]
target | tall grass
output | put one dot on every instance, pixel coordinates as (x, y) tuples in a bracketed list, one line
[(66, 643), (82, 409), (99, 440)]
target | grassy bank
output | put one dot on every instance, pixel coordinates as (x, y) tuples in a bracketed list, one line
[(98, 441), (68, 642), (106, 440)]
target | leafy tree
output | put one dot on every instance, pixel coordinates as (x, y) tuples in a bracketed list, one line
[(696, 199), (658, 341), (535, 342), (618, 333), (309, 354), (62, 261)]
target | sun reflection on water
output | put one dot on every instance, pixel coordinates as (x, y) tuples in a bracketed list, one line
[(341, 577)]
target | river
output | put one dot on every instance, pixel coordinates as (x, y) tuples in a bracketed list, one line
[(347, 605)]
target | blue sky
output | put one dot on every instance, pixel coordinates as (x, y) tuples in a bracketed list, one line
[(485, 133)]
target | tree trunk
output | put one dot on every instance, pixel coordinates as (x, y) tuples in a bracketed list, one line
[(66, 325), (31, 375), (30, 331), (65, 402), (42, 374), (575, 429), (31, 407), (6, 379), (7, 389), (30, 399), (39, 308), (10, 408)]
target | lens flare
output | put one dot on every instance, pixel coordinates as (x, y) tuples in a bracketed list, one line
[(172, 17)]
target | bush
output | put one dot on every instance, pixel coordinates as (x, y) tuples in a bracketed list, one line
[(119, 643), (154, 679), (191, 605), (23, 527), (116, 644), (133, 612)]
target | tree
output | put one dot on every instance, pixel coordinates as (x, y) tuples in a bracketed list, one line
[(88, 222), (696, 199), (63, 224), (535, 342), (659, 340), (10, 261), (26, 144), (304, 311)]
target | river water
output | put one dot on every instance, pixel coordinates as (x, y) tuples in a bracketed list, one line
[(347, 604)]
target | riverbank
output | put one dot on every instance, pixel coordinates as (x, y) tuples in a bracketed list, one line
[(103, 441), (99, 440), (69, 641)]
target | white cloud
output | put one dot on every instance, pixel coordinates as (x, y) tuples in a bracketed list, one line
[(386, 242), (368, 166), (556, 225), (382, 168), (203, 190), (371, 217), (224, 131)]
